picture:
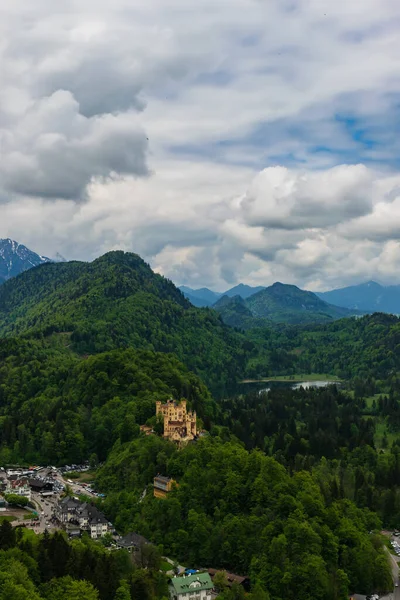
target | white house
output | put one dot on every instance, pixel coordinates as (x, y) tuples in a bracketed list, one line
[(191, 587), (19, 488)]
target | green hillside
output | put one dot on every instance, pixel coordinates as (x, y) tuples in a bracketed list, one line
[(57, 407), (117, 301), (282, 486), (235, 312)]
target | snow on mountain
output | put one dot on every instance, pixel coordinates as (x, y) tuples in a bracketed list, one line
[(16, 258)]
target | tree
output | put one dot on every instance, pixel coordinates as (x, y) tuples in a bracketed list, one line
[(68, 588), (93, 461), (123, 592), (220, 581), (150, 557), (258, 593), (159, 425), (107, 540), (68, 491), (7, 535), (15, 582), (16, 500)]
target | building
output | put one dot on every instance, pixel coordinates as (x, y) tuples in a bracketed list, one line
[(133, 542), (66, 509), (19, 487), (180, 425), (191, 587), (162, 486), (91, 519), (146, 430), (231, 578), (74, 514), (40, 486)]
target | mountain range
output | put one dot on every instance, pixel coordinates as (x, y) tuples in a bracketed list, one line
[(365, 297), (278, 303), (243, 305), (206, 297), (369, 297)]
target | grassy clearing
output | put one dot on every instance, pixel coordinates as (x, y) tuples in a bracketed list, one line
[(71, 475), (85, 476), (370, 399), (165, 566), (296, 378), (31, 516), (7, 518), (380, 430)]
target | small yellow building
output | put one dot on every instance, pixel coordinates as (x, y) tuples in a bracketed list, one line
[(162, 486), (180, 425)]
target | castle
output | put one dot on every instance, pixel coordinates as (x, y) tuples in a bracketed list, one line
[(179, 424)]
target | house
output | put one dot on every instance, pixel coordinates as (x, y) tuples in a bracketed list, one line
[(91, 519), (191, 587), (66, 509), (19, 487), (87, 517), (231, 578), (146, 429), (162, 486), (133, 542), (180, 425)]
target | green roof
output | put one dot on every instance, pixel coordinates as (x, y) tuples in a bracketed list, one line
[(191, 583)]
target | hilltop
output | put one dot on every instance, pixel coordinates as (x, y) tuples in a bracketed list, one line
[(279, 303), (117, 302)]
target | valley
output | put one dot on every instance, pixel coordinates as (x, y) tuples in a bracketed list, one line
[(88, 349)]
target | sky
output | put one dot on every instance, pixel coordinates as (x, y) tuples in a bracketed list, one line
[(224, 141)]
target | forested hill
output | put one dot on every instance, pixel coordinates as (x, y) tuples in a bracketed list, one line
[(278, 303), (348, 348), (56, 407), (117, 301)]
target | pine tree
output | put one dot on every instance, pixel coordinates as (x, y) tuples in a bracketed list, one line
[(7, 536)]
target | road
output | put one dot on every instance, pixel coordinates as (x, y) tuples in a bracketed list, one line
[(77, 488), (47, 504), (395, 575)]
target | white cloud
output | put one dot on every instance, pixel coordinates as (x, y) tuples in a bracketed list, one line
[(155, 128)]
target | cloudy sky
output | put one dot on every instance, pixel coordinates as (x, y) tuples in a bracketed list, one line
[(222, 140)]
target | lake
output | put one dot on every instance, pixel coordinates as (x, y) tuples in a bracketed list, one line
[(266, 386)]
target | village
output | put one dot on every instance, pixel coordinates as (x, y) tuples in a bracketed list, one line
[(45, 498)]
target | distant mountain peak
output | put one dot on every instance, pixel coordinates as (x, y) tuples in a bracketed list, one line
[(369, 297), (15, 258), (201, 296)]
